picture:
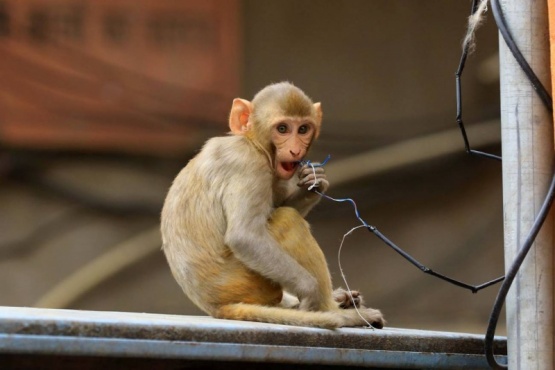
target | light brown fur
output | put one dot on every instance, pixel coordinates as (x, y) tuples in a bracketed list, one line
[(233, 227)]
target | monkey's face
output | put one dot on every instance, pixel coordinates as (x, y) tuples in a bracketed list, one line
[(291, 138)]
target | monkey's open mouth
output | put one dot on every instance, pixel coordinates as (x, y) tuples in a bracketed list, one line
[(289, 166), (286, 170)]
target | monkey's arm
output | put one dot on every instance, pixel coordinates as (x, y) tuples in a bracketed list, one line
[(303, 199), (247, 209)]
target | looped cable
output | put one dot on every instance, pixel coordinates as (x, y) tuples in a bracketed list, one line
[(405, 255)]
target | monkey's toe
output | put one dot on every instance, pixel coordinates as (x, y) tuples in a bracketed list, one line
[(377, 320), (378, 324)]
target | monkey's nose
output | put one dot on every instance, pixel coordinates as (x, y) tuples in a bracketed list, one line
[(295, 154)]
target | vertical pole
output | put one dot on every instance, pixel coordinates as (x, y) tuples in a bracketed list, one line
[(527, 139)]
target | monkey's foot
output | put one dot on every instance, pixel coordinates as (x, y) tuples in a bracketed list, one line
[(375, 317), (362, 317), (344, 299)]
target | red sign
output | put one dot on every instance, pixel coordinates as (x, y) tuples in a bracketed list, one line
[(126, 75)]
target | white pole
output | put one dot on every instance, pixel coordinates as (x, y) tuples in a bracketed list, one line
[(527, 140)]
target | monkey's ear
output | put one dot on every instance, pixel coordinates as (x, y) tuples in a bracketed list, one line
[(318, 110), (239, 116)]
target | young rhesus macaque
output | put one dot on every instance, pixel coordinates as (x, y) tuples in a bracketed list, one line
[(233, 224)]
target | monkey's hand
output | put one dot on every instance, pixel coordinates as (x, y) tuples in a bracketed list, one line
[(313, 178), (346, 300), (304, 198)]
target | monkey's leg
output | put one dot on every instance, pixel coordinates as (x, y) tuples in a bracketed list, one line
[(238, 284), (292, 232)]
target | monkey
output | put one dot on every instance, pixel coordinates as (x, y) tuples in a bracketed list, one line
[(233, 226)]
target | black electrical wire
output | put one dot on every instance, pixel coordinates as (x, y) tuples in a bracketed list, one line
[(458, 87), (429, 271), (511, 274), (534, 80), (405, 255), (540, 218), (546, 205)]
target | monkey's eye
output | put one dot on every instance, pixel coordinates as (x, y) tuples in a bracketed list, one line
[(282, 128), (304, 129)]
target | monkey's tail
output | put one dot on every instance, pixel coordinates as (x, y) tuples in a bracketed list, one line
[(288, 316)]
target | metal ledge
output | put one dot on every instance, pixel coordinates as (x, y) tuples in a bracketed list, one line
[(175, 341)]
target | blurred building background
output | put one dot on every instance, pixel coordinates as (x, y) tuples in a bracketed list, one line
[(102, 102)]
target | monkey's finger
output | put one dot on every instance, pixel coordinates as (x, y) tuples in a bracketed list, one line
[(311, 179), (323, 185), (306, 170), (309, 172), (304, 179)]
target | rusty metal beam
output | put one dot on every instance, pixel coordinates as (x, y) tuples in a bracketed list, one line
[(31, 332)]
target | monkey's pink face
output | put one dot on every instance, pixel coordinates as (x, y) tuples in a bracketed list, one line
[(291, 138)]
